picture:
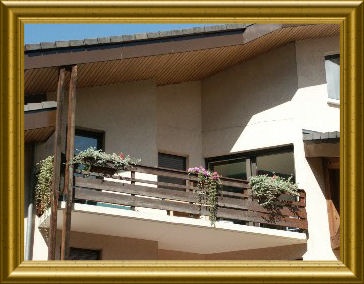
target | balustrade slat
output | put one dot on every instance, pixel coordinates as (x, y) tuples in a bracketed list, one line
[(136, 189), (137, 201), (176, 197), (184, 175), (259, 217)]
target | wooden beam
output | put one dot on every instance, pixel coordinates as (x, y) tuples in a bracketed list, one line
[(68, 186), (57, 166)]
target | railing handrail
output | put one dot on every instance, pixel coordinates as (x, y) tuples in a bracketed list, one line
[(143, 192), (186, 176)]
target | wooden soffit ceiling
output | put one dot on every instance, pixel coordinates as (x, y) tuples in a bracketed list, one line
[(166, 62)]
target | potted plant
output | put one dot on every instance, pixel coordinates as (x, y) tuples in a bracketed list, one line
[(42, 190), (208, 184), (274, 193), (97, 161)]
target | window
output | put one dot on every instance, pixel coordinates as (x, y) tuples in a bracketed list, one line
[(171, 162), (277, 161), (281, 164), (84, 254), (88, 138), (332, 68), (231, 168), (83, 140)]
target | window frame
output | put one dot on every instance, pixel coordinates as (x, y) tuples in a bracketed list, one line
[(330, 99)]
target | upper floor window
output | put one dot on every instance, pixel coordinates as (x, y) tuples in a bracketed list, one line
[(275, 163), (174, 162), (88, 138), (278, 161), (332, 68)]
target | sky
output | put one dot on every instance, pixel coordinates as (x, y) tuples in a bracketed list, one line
[(36, 33)]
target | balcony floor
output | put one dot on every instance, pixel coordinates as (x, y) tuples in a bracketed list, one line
[(175, 233)]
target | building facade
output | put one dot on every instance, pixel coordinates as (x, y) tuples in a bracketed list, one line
[(240, 99)]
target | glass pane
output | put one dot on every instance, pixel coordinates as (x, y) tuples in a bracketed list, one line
[(332, 67), (231, 169), (281, 164), (83, 142)]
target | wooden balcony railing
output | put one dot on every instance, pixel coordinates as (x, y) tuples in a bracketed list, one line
[(141, 188)]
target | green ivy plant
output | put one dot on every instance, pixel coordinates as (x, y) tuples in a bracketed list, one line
[(271, 192), (87, 158), (208, 184), (42, 190)]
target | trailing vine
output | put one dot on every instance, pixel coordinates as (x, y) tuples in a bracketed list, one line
[(208, 184), (274, 193), (42, 190)]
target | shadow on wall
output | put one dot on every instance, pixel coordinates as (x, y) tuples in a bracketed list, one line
[(316, 166), (311, 59), (232, 98)]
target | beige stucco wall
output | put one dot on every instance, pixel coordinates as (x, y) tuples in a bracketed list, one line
[(248, 106), (179, 121), (312, 106), (141, 119), (27, 186), (122, 248), (266, 102), (314, 112), (40, 245), (112, 247), (291, 252), (127, 114)]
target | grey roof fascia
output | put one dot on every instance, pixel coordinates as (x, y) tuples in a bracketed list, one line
[(46, 105), (310, 136), (135, 37)]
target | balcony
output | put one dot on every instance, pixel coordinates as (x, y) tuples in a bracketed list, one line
[(136, 204), (140, 188)]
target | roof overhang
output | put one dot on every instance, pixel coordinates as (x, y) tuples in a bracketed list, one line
[(321, 144), (166, 59), (39, 121)]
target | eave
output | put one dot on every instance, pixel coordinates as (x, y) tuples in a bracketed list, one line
[(39, 121), (166, 60)]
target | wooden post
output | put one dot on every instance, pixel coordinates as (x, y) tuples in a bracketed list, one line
[(57, 167), (68, 184)]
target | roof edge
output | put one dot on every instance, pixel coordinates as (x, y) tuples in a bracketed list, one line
[(43, 46)]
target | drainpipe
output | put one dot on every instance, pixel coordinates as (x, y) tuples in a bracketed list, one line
[(29, 239)]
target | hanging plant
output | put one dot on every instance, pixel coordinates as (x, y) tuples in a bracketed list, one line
[(208, 184), (42, 190), (93, 160), (274, 193)]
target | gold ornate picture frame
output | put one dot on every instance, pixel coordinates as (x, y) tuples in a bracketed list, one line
[(14, 14)]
